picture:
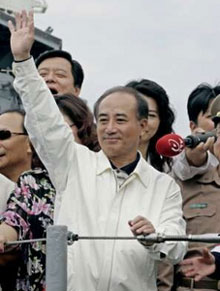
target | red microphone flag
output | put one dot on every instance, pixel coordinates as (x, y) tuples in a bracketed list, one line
[(170, 145)]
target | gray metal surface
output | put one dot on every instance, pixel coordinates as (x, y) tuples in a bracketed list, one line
[(56, 258)]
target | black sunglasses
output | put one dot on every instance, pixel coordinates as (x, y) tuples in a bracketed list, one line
[(6, 134)]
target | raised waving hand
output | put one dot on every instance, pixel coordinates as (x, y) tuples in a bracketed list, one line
[(22, 35)]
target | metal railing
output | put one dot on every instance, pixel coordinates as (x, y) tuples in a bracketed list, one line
[(58, 238)]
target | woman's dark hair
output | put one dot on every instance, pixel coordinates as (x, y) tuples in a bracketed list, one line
[(80, 114), (35, 162), (153, 90)]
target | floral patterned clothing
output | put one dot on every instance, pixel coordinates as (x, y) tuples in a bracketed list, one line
[(30, 210)]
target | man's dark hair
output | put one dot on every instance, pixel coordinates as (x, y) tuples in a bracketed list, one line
[(166, 115), (77, 70), (142, 107), (199, 100)]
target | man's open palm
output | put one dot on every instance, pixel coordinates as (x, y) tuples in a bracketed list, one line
[(22, 35)]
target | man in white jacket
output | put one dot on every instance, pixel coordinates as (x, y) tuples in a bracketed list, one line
[(111, 193)]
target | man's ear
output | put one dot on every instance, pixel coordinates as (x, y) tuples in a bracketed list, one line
[(29, 149), (193, 126), (144, 126), (77, 91)]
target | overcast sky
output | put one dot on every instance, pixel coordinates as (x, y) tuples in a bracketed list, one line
[(173, 42)]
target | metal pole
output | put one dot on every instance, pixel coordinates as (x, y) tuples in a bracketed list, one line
[(151, 238), (26, 241), (154, 238), (56, 258)]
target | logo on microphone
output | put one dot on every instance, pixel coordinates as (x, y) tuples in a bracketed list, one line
[(176, 146)]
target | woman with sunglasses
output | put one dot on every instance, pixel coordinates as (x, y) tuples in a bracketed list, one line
[(30, 207)]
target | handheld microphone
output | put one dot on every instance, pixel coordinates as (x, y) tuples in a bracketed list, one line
[(173, 144), (191, 141)]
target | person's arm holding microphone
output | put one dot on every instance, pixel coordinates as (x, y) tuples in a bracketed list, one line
[(198, 160), (197, 156)]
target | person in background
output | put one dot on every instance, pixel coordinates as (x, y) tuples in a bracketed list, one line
[(80, 119), (61, 73), (160, 122), (15, 158), (15, 149), (208, 262), (117, 194), (200, 191), (198, 160)]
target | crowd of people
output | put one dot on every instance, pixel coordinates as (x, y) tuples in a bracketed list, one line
[(104, 178)]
